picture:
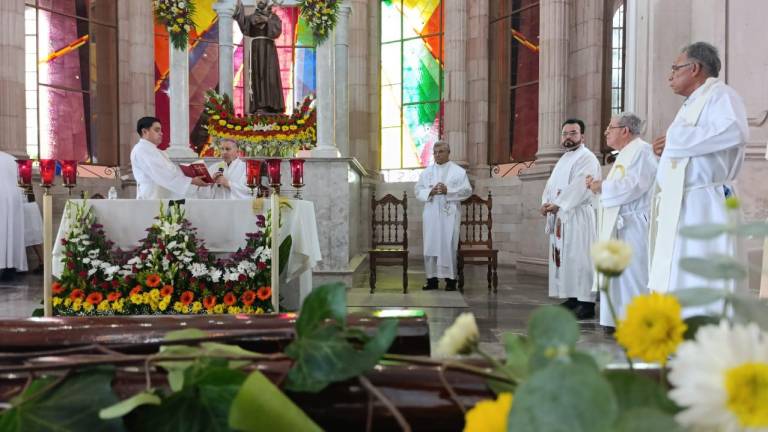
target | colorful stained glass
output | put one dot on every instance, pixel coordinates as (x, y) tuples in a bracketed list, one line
[(411, 81)]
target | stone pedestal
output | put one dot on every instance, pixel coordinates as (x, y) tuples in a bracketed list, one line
[(179, 101)]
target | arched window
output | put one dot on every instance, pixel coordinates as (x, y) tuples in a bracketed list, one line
[(411, 81), (618, 53)]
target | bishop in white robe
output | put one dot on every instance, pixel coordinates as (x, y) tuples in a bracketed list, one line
[(625, 199), (442, 186), (13, 253), (229, 174), (571, 225), (703, 154)]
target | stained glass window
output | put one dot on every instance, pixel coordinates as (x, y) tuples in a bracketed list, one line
[(411, 81), (617, 61), (71, 80)]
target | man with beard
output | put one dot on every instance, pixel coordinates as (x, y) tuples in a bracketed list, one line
[(571, 222)]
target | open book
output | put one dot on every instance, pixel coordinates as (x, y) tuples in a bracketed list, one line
[(196, 169)]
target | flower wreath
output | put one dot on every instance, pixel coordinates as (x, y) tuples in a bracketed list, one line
[(176, 16), (321, 16)]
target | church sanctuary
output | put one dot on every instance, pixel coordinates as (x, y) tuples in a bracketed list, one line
[(383, 215)]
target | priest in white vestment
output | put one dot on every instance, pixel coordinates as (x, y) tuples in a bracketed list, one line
[(13, 255), (571, 225), (156, 176), (442, 187), (229, 174), (625, 200), (702, 154)]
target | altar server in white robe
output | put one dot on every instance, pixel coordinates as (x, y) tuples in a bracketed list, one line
[(13, 255), (442, 187), (702, 154), (625, 199), (229, 174), (156, 176), (571, 225)]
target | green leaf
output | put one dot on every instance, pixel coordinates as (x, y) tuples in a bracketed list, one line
[(647, 420), (260, 406), (703, 231), (176, 369), (284, 252), (38, 313), (518, 349), (752, 229), (125, 406), (636, 391), (72, 405), (748, 309), (324, 302), (553, 326), (190, 333), (698, 296), (214, 348), (564, 398), (694, 323), (714, 267)]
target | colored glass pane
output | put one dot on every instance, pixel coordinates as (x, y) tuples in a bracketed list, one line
[(422, 123), (390, 21), (390, 105), (391, 148), (421, 72)]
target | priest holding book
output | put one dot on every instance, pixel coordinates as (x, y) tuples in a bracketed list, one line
[(156, 176), (229, 174)]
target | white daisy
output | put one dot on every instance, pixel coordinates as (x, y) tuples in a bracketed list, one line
[(460, 337), (721, 379)]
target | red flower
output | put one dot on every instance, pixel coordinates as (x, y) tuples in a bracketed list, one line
[(115, 283), (95, 298), (264, 293), (57, 288), (83, 274), (261, 265), (114, 295), (105, 285), (136, 290), (248, 297), (77, 294), (166, 290), (70, 265), (229, 299), (209, 302), (187, 297), (153, 280), (242, 278)]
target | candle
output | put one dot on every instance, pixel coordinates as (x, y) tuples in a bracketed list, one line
[(24, 171), (273, 170), (69, 172), (253, 172), (47, 171), (297, 172)]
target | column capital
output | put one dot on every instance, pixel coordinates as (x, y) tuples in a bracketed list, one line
[(225, 7)]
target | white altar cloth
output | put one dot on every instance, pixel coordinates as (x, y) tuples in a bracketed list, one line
[(221, 224)]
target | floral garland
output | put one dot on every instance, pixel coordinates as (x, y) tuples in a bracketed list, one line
[(262, 135), (170, 272), (321, 16), (176, 16)]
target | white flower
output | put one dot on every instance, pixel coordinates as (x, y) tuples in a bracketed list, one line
[(198, 270), (86, 260), (721, 379), (611, 257), (215, 274), (460, 337)]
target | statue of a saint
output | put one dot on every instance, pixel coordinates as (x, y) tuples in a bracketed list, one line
[(264, 26)]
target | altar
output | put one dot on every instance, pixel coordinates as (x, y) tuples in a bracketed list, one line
[(222, 225)]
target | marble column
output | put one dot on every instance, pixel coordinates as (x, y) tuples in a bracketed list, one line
[(225, 9), (341, 79), (326, 140), (553, 79), (12, 108), (179, 102), (455, 91)]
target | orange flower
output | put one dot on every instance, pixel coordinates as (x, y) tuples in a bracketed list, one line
[(264, 293), (77, 294), (229, 299), (187, 297), (209, 302), (248, 297), (136, 290), (166, 290), (153, 281), (57, 288), (114, 295), (95, 298)]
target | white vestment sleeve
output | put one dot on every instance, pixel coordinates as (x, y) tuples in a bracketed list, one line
[(460, 192), (237, 182), (422, 189), (638, 178), (164, 172), (576, 193)]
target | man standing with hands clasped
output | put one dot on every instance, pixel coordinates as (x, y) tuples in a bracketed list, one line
[(442, 187)]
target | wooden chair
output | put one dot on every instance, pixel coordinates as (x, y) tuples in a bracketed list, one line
[(389, 235), (476, 239)]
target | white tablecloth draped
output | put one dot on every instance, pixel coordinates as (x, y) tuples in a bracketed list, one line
[(221, 224)]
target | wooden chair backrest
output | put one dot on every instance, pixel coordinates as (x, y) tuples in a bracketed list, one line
[(389, 221), (476, 227)]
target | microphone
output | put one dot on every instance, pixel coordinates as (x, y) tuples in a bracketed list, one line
[(220, 173)]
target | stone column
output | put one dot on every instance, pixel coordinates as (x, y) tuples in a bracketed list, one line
[(455, 91), (553, 79), (13, 120), (225, 9), (179, 102), (341, 75), (326, 146)]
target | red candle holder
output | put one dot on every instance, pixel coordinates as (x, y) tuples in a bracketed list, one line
[(273, 171), (69, 173), (253, 173), (297, 176), (24, 171), (47, 172)]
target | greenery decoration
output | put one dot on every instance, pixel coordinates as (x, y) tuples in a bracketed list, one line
[(176, 16)]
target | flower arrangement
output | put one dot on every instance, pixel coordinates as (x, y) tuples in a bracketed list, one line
[(176, 16), (170, 272), (321, 16), (262, 135)]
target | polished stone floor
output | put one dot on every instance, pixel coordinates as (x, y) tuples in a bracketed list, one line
[(507, 311)]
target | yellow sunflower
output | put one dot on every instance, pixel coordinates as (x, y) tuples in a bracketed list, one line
[(489, 415), (653, 327)]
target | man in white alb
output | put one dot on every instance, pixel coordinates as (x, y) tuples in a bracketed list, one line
[(156, 176), (701, 156), (571, 222), (13, 255), (625, 199), (229, 174), (442, 187)]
